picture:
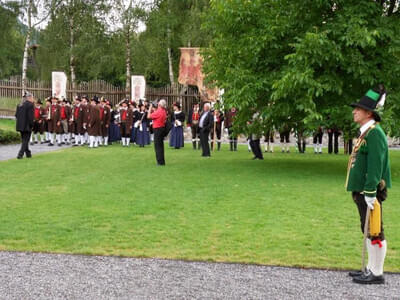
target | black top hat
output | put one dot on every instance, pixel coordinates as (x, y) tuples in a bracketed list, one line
[(373, 99)]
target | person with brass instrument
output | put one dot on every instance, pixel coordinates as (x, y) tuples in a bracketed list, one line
[(368, 177)]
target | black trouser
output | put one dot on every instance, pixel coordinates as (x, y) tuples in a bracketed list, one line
[(232, 137), (269, 137), (362, 210), (37, 127), (25, 137), (204, 133), (301, 144), (350, 146), (285, 136), (255, 147), (335, 135), (318, 138), (195, 131), (159, 144)]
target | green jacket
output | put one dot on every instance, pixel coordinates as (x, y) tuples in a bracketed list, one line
[(371, 164)]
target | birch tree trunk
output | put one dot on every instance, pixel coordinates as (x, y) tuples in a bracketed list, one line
[(72, 56), (128, 61), (170, 65), (26, 48)]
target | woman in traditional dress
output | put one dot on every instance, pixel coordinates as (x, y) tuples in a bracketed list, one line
[(177, 119), (142, 128)]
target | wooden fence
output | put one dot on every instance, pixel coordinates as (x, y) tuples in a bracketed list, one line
[(12, 89)]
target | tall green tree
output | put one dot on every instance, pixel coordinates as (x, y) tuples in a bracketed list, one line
[(75, 41), (302, 58), (11, 40)]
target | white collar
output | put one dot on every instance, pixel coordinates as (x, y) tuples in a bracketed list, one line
[(177, 112), (367, 125)]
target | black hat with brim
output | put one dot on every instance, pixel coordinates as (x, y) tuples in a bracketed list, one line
[(369, 102)]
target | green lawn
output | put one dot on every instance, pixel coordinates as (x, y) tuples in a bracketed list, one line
[(290, 209), (7, 124)]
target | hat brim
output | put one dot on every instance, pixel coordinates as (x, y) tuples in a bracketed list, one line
[(376, 116)]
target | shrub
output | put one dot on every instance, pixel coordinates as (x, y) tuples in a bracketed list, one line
[(9, 137)]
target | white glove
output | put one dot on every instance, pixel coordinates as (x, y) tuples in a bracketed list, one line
[(370, 201)]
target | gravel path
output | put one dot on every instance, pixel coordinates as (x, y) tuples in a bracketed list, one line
[(57, 276), (11, 151)]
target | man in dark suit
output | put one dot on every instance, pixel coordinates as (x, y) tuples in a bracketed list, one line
[(24, 115), (205, 124)]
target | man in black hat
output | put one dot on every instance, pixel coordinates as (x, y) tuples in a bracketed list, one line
[(24, 115), (368, 177), (38, 123)]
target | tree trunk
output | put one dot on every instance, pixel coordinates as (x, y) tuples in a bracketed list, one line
[(72, 57), (128, 62), (170, 67), (26, 48), (391, 7)]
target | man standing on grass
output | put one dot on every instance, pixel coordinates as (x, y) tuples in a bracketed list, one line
[(24, 115), (205, 124), (159, 117), (368, 178)]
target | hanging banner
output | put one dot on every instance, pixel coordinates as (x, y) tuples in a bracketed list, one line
[(59, 85), (138, 87), (190, 73)]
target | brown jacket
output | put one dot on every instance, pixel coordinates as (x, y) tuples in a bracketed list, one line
[(93, 126)]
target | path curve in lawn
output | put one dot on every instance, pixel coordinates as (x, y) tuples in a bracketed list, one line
[(59, 276), (10, 151)]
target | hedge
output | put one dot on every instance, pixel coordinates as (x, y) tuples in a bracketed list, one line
[(9, 137)]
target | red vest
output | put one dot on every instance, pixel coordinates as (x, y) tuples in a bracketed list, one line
[(123, 115), (63, 114), (37, 113), (76, 112)]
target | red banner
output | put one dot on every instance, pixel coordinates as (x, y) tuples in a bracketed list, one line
[(190, 72)]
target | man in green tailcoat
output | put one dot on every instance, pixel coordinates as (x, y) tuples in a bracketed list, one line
[(368, 178)]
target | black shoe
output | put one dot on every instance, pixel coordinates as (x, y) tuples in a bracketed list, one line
[(356, 273), (31, 143), (20, 157), (29, 155), (369, 279), (50, 144)]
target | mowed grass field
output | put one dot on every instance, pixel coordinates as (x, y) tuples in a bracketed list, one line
[(290, 209), (6, 124)]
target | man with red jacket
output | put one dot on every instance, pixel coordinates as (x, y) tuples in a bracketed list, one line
[(159, 117)]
